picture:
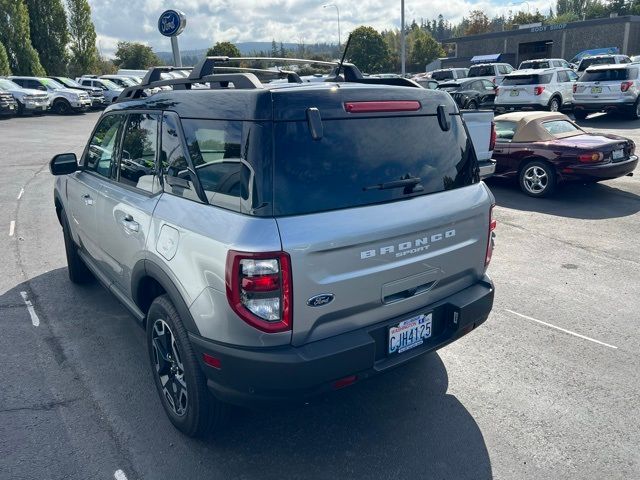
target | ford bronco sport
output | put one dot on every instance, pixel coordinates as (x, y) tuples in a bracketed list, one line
[(278, 241)]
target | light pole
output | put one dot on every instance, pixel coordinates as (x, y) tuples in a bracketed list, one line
[(403, 53), (338, 11)]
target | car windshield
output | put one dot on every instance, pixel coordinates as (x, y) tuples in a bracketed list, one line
[(123, 80), (110, 85), (534, 64), (481, 71), (533, 79), (68, 82), (561, 127), (8, 85), (587, 62), (449, 86), (610, 75), (52, 84), (442, 75)]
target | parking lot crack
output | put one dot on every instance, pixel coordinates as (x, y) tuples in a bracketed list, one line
[(44, 406)]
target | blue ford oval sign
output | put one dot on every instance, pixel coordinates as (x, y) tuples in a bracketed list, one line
[(171, 23), (320, 300)]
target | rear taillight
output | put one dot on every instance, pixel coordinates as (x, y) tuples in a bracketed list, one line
[(383, 106), (492, 227), (575, 87), (492, 139), (538, 90), (259, 289), (624, 86), (591, 157)]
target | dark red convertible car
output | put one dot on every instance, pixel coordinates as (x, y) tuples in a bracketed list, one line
[(543, 149)]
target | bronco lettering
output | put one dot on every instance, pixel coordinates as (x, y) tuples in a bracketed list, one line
[(408, 248)]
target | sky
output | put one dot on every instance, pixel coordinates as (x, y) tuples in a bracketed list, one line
[(289, 21)]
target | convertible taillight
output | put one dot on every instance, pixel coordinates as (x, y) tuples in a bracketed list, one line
[(259, 289), (538, 90), (591, 157), (625, 86), (492, 139)]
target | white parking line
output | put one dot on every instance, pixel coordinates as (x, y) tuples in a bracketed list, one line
[(32, 313), (119, 475), (562, 329), (21, 193), (12, 228)]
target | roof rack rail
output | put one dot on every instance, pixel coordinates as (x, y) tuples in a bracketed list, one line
[(204, 72)]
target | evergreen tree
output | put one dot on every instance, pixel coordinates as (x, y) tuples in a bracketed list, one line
[(14, 34), (274, 49), (84, 53), (224, 49), (283, 52), (4, 62), (49, 34)]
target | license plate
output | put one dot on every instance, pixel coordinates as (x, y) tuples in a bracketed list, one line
[(11, 107), (515, 93), (617, 154), (410, 333), (596, 89)]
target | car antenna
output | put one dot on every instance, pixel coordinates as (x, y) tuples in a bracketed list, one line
[(344, 56)]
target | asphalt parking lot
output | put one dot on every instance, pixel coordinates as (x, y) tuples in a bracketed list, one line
[(547, 388)]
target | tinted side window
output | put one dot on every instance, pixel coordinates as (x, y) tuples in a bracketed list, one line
[(563, 77), (175, 167), (102, 145), (573, 76), (138, 156)]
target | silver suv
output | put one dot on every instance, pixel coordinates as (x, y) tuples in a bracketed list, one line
[(608, 88), (602, 60), (278, 241), (548, 89)]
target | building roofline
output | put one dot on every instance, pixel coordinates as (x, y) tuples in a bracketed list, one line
[(548, 28)]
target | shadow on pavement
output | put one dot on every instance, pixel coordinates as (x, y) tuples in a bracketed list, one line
[(590, 201), (611, 121), (399, 425)]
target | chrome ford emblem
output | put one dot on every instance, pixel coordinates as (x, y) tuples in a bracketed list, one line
[(320, 300)]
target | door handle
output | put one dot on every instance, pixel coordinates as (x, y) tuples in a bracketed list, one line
[(88, 200), (130, 224)]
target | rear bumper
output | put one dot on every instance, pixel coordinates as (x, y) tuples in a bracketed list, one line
[(604, 106), (601, 172), (253, 376), (519, 106), (487, 168)]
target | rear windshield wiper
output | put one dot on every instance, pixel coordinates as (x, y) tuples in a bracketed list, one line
[(409, 183)]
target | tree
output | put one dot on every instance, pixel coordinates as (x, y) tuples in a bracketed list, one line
[(4, 62), (49, 34), (135, 56), (274, 49), (224, 49), (15, 35), (84, 53), (368, 50), (423, 50), (478, 23)]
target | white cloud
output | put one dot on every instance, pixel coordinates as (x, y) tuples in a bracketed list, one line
[(209, 21)]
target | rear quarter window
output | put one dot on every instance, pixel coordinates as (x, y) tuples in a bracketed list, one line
[(354, 155), (505, 130)]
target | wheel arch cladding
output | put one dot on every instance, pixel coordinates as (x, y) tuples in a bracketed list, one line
[(149, 281)]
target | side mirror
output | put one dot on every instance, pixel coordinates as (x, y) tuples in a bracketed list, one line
[(63, 164)]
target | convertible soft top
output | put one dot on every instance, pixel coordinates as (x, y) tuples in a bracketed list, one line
[(530, 129)]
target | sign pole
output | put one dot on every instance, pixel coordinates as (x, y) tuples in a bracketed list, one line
[(177, 58)]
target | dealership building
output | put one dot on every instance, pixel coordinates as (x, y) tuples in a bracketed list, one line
[(546, 41)]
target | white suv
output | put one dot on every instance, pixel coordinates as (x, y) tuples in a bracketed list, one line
[(606, 88), (544, 63), (494, 72), (111, 90), (449, 74), (602, 60), (548, 89)]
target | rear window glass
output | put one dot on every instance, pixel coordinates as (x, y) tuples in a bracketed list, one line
[(611, 75), (355, 156), (448, 87), (527, 79), (505, 130), (556, 127), (534, 64), (443, 75), (587, 62), (481, 71)]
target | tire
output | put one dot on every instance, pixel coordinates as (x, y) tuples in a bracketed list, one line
[(20, 108), (555, 104), (78, 271), (181, 385), (472, 105), (634, 114), (538, 179), (61, 107), (580, 114)]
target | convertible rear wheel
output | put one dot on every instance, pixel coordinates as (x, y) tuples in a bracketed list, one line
[(538, 179)]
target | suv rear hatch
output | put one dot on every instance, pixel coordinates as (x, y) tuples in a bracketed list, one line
[(377, 252), (606, 84), (523, 88)]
